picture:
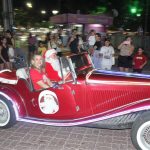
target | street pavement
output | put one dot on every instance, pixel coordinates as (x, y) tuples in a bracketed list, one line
[(27, 136)]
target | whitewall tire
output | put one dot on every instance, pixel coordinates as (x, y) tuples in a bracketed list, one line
[(140, 133), (7, 114)]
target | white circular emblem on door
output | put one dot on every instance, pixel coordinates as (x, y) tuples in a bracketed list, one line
[(48, 102)]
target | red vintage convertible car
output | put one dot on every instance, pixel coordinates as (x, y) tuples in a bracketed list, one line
[(86, 97)]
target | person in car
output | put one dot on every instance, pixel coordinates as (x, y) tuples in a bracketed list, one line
[(52, 66), (37, 73)]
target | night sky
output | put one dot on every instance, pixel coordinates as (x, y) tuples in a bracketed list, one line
[(69, 6), (124, 17)]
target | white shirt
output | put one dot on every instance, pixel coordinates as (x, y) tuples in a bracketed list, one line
[(91, 40), (107, 52)]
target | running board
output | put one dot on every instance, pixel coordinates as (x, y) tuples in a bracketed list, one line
[(120, 122)]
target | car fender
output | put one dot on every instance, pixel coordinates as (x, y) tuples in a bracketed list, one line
[(15, 98)]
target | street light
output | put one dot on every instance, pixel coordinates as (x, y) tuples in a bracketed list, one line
[(133, 10), (29, 4), (55, 12), (136, 10), (138, 15), (43, 12)]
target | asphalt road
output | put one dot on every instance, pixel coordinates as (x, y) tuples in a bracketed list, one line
[(27, 136)]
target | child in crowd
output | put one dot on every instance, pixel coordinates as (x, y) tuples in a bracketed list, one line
[(139, 61), (41, 48), (107, 56)]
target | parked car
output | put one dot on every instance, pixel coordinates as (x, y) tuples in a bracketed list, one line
[(86, 97)]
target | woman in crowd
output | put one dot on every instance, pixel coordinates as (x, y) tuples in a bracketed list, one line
[(125, 59), (32, 45), (51, 43), (10, 38), (73, 42), (11, 44), (91, 41), (97, 46), (4, 58), (58, 42)]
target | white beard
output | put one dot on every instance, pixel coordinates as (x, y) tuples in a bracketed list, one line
[(55, 64)]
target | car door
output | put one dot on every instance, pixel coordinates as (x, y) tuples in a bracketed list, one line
[(54, 103), (108, 93)]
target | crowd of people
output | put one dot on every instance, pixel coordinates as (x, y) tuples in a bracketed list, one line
[(10, 50), (103, 53), (104, 56), (128, 58), (6, 50), (44, 61)]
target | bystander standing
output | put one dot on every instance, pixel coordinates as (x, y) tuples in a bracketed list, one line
[(125, 59), (96, 53), (107, 55), (91, 41), (32, 43), (139, 61), (4, 57)]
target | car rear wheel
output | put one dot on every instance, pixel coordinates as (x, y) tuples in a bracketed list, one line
[(140, 133), (7, 114)]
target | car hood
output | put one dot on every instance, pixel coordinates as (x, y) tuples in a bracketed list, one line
[(110, 77)]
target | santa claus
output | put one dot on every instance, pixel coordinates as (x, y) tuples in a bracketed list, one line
[(52, 66)]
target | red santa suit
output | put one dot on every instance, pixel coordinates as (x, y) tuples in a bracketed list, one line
[(51, 73), (52, 67)]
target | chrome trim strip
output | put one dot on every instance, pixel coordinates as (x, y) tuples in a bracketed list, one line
[(117, 82), (84, 121)]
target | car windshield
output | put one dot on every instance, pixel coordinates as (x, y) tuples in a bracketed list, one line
[(66, 69), (81, 63), (75, 65)]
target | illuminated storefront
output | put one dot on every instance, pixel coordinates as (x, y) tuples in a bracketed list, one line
[(84, 23)]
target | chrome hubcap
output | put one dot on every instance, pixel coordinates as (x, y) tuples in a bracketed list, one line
[(4, 114), (144, 136)]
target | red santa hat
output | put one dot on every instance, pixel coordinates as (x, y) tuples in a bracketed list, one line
[(49, 52)]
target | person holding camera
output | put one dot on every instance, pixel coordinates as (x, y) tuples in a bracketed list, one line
[(125, 59)]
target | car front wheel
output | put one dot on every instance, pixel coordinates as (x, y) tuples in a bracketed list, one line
[(140, 133), (7, 114)]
